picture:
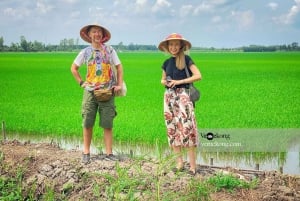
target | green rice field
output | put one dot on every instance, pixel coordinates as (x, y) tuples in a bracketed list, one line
[(239, 90)]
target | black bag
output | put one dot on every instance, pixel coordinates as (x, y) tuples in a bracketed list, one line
[(194, 92)]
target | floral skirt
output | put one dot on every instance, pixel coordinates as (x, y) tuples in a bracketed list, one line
[(180, 118)]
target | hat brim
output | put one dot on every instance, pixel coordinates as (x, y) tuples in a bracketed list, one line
[(85, 35), (163, 45)]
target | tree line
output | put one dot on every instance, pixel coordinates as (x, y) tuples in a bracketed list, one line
[(69, 45)]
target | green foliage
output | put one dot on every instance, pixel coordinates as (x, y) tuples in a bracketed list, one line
[(239, 90), (229, 182), (125, 182), (121, 186), (11, 184), (201, 191), (49, 193), (10, 189)]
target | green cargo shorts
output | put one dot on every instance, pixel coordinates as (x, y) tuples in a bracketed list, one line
[(90, 107)]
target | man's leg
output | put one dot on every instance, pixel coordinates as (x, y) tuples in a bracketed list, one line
[(108, 140), (89, 110), (87, 139), (107, 114)]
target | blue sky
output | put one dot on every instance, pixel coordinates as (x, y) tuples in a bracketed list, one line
[(205, 23)]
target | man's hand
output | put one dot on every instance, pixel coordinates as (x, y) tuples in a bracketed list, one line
[(117, 88), (83, 84)]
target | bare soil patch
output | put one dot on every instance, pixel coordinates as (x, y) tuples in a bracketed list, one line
[(46, 165)]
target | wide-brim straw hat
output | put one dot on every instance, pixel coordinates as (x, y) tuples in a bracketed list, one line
[(163, 45), (85, 36)]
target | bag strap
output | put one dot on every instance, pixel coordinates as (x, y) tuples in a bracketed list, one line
[(109, 50), (188, 75), (186, 71)]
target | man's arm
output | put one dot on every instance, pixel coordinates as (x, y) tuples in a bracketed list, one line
[(75, 72)]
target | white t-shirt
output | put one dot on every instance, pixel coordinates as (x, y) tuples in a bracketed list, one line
[(100, 64), (83, 54)]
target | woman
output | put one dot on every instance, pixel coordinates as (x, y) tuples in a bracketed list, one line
[(178, 108)]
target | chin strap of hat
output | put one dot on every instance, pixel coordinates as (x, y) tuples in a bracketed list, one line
[(103, 39)]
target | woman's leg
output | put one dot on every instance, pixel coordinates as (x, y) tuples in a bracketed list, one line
[(179, 159), (192, 158)]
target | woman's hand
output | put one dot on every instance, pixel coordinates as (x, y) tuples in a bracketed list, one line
[(173, 83), (163, 82)]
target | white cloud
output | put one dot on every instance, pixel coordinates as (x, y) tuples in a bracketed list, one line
[(290, 17), (273, 5), (75, 14), (17, 13), (216, 19), (141, 3), (160, 4), (140, 6), (203, 7), (147, 21), (185, 10), (70, 1), (244, 19), (99, 15), (10, 12), (42, 7), (217, 2), (293, 12)]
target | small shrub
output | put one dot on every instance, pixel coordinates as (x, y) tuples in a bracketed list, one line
[(229, 182)]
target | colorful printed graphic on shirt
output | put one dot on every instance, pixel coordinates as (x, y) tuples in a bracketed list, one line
[(99, 74)]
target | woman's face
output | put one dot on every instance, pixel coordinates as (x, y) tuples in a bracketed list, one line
[(174, 46)]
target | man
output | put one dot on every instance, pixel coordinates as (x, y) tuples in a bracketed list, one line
[(100, 60)]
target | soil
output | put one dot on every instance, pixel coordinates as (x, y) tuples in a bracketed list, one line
[(47, 166)]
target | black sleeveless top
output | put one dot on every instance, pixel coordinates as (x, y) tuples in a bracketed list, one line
[(171, 70)]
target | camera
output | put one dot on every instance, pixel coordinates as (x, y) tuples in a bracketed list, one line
[(169, 79)]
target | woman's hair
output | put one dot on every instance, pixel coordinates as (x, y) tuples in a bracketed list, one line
[(180, 58)]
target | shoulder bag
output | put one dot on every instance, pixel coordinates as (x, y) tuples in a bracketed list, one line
[(123, 90), (193, 91)]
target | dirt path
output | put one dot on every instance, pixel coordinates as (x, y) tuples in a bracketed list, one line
[(46, 166)]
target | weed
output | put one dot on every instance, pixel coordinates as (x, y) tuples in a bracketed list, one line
[(10, 189), (11, 185), (198, 191), (96, 190), (121, 186), (49, 193), (229, 182)]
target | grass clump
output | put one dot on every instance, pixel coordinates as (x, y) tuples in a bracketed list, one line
[(10, 182), (229, 182), (10, 189)]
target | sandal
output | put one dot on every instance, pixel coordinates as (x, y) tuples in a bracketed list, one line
[(192, 172)]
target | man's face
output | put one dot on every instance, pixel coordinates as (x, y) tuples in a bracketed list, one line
[(96, 34)]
